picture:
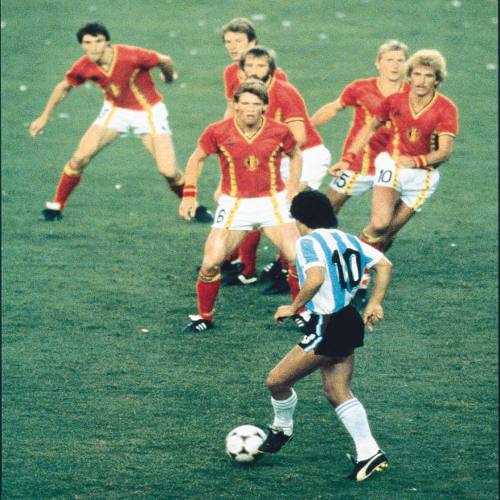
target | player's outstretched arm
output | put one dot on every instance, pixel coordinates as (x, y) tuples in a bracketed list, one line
[(373, 310), (293, 181), (315, 276), (166, 65), (194, 168), (59, 93), (326, 113)]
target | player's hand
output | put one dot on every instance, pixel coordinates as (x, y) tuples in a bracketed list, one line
[(338, 169), (37, 126), (187, 208), (372, 315), (283, 312), (405, 161), (171, 78)]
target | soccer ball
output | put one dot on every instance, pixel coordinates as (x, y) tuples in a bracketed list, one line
[(243, 442)]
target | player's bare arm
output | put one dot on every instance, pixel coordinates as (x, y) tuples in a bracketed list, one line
[(293, 182), (432, 159), (61, 90), (359, 142), (373, 310), (194, 168), (326, 113), (315, 276), (298, 129), (167, 70)]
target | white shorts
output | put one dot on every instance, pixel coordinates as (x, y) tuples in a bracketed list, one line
[(352, 183), (152, 121), (248, 214), (315, 163), (414, 184)]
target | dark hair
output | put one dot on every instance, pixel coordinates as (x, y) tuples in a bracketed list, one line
[(255, 87), (240, 25), (93, 29), (313, 209), (259, 52)]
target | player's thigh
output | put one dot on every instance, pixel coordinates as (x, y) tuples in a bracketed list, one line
[(94, 140), (162, 149), (220, 243), (284, 237), (295, 365)]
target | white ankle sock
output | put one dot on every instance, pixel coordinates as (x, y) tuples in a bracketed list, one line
[(283, 413), (353, 415)]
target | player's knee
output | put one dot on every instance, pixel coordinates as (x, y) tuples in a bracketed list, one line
[(275, 383), (209, 268), (80, 162)]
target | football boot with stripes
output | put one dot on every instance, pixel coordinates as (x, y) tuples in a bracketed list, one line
[(275, 440), (197, 324), (51, 212), (365, 468), (270, 271), (202, 214)]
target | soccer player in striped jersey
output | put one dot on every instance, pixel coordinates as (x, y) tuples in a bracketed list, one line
[(424, 124), (364, 96), (131, 103), (330, 263)]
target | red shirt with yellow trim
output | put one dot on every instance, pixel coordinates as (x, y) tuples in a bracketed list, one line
[(418, 133), (250, 167), (287, 105), (128, 83), (234, 77), (365, 97)]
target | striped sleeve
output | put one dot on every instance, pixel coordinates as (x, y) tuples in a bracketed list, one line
[(309, 254)]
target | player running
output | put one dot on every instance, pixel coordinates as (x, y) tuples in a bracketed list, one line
[(424, 124), (131, 102), (330, 264), (250, 147)]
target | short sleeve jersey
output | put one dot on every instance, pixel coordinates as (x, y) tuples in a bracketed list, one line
[(128, 83), (418, 133), (287, 105), (250, 167), (233, 78), (365, 97), (344, 258)]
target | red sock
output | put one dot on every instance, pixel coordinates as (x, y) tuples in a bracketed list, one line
[(70, 178), (283, 262), (248, 252), (293, 281), (207, 288), (177, 189), (233, 255)]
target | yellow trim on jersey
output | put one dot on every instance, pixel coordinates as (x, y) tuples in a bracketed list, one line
[(249, 140), (233, 186), (365, 159), (142, 101), (415, 114), (232, 214), (113, 63), (275, 204), (110, 115), (272, 170), (421, 197)]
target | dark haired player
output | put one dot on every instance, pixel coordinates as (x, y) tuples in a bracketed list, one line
[(131, 103), (330, 263)]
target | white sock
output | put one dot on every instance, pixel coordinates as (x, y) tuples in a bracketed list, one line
[(353, 415), (283, 413)]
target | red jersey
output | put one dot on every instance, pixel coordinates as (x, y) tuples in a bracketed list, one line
[(287, 105), (250, 167), (365, 96), (234, 77), (418, 133), (128, 83)]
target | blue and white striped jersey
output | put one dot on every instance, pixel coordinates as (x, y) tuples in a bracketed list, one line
[(344, 257)]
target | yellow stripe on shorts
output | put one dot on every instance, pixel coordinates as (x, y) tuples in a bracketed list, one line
[(423, 194)]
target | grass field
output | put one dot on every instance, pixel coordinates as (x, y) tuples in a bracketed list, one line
[(103, 397)]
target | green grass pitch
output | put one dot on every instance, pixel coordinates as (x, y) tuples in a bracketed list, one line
[(103, 397)]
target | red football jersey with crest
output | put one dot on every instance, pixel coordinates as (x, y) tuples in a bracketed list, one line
[(418, 133), (287, 105), (250, 167), (128, 83), (234, 77), (365, 97)]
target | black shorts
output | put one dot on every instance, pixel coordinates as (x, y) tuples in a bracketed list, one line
[(336, 334)]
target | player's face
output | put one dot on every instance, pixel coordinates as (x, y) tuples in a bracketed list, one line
[(236, 44), (256, 67), (423, 81), (249, 109), (94, 46), (391, 65)]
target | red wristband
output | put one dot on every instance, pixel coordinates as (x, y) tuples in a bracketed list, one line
[(189, 191)]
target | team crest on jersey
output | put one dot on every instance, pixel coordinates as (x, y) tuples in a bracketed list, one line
[(413, 134), (251, 163), (114, 89)]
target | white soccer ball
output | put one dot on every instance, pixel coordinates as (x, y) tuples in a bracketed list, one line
[(243, 442)]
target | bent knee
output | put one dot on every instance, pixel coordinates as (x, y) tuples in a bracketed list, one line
[(275, 383)]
